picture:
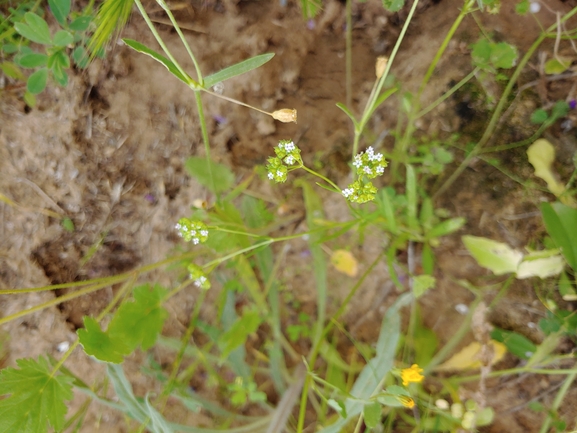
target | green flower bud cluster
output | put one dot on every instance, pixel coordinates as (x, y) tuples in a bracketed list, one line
[(369, 165), (287, 156)]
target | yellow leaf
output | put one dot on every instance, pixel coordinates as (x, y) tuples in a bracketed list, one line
[(469, 357), (345, 263), (541, 156)]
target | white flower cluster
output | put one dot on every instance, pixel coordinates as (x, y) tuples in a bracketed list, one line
[(192, 231)]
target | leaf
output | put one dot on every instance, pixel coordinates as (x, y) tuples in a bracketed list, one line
[(561, 223), (80, 24), (80, 56), (239, 332), (33, 60), (110, 20), (557, 65), (372, 414), (237, 69), (37, 81), (421, 284), (522, 7), (138, 323), (517, 344), (412, 198), (393, 5), (345, 263), (446, 227), (141, 48), (35, 29), (60, 9), (541, 156), (36, 396), (99, 344), (539, 116), (198, 168), (62, 38), (495, 256), (12, 71), (542, 264), (348, 112), (469, 357), (503, 55)]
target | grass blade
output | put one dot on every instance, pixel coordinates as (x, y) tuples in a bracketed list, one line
[(237, 69)]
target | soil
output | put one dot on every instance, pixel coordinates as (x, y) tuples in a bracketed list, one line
[(108, 151)]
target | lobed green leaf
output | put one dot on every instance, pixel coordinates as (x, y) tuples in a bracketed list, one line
[(60, 9)]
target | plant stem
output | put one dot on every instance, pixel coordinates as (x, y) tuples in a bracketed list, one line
[(349, 54), (205, 139)]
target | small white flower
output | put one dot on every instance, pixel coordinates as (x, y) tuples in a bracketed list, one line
[(195, 241), (270, 176), (289, 160), (204, 232), (289, 147), (348, 191)]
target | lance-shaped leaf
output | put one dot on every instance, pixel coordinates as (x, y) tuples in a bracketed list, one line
[(237, 69), (141, 48)]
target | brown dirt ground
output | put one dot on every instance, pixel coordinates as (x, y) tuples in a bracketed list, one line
[(108, 151)]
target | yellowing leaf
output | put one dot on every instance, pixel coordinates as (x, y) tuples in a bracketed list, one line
[(345, 263), (496, 256), (557, 65), (469, 357), (541, 156)]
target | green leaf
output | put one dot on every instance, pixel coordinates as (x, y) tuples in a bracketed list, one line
[(110, 20), (237, 69), (446, 227), (80, 24), (561, 223), (200, 169), (539, 116), (138, 323), (495, 256), (348, 112), (60, 9), (422, 283), (557, 65), (412, 198), (522, 7), (517, 344), (67, 224), (137, 46), (393, 5), (36, 397), (12, 71), (99, 343), (428, 259), (62, 38), (60, 76), (35, 29), (30, 99), (481, 53), (80, 56), (503, 55), (310, 8), (239, 332), (33, 60), (386, 209), (123, 389), (37, 81), (372, 414), (560, 109)]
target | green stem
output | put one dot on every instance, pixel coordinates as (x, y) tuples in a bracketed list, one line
[(349, 54), (159, 39), (558, 400), (447, 94), (205, 139), (164, 6), (337, 189)]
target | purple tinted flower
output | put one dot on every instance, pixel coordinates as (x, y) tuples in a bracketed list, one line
[(311, 24), (572, 104), (220, 119), (150, 198)]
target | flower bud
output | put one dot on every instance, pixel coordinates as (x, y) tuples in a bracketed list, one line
[(381, 65), (286, 115)]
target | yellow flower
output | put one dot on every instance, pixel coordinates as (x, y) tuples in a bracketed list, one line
[(406, 401), (412, 374)]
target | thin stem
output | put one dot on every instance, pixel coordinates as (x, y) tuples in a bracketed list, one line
[(160, 41), (349, 54), (557, 402), (206, 141), (234, 101), (164, 6), (447, 94), (337, 189)]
